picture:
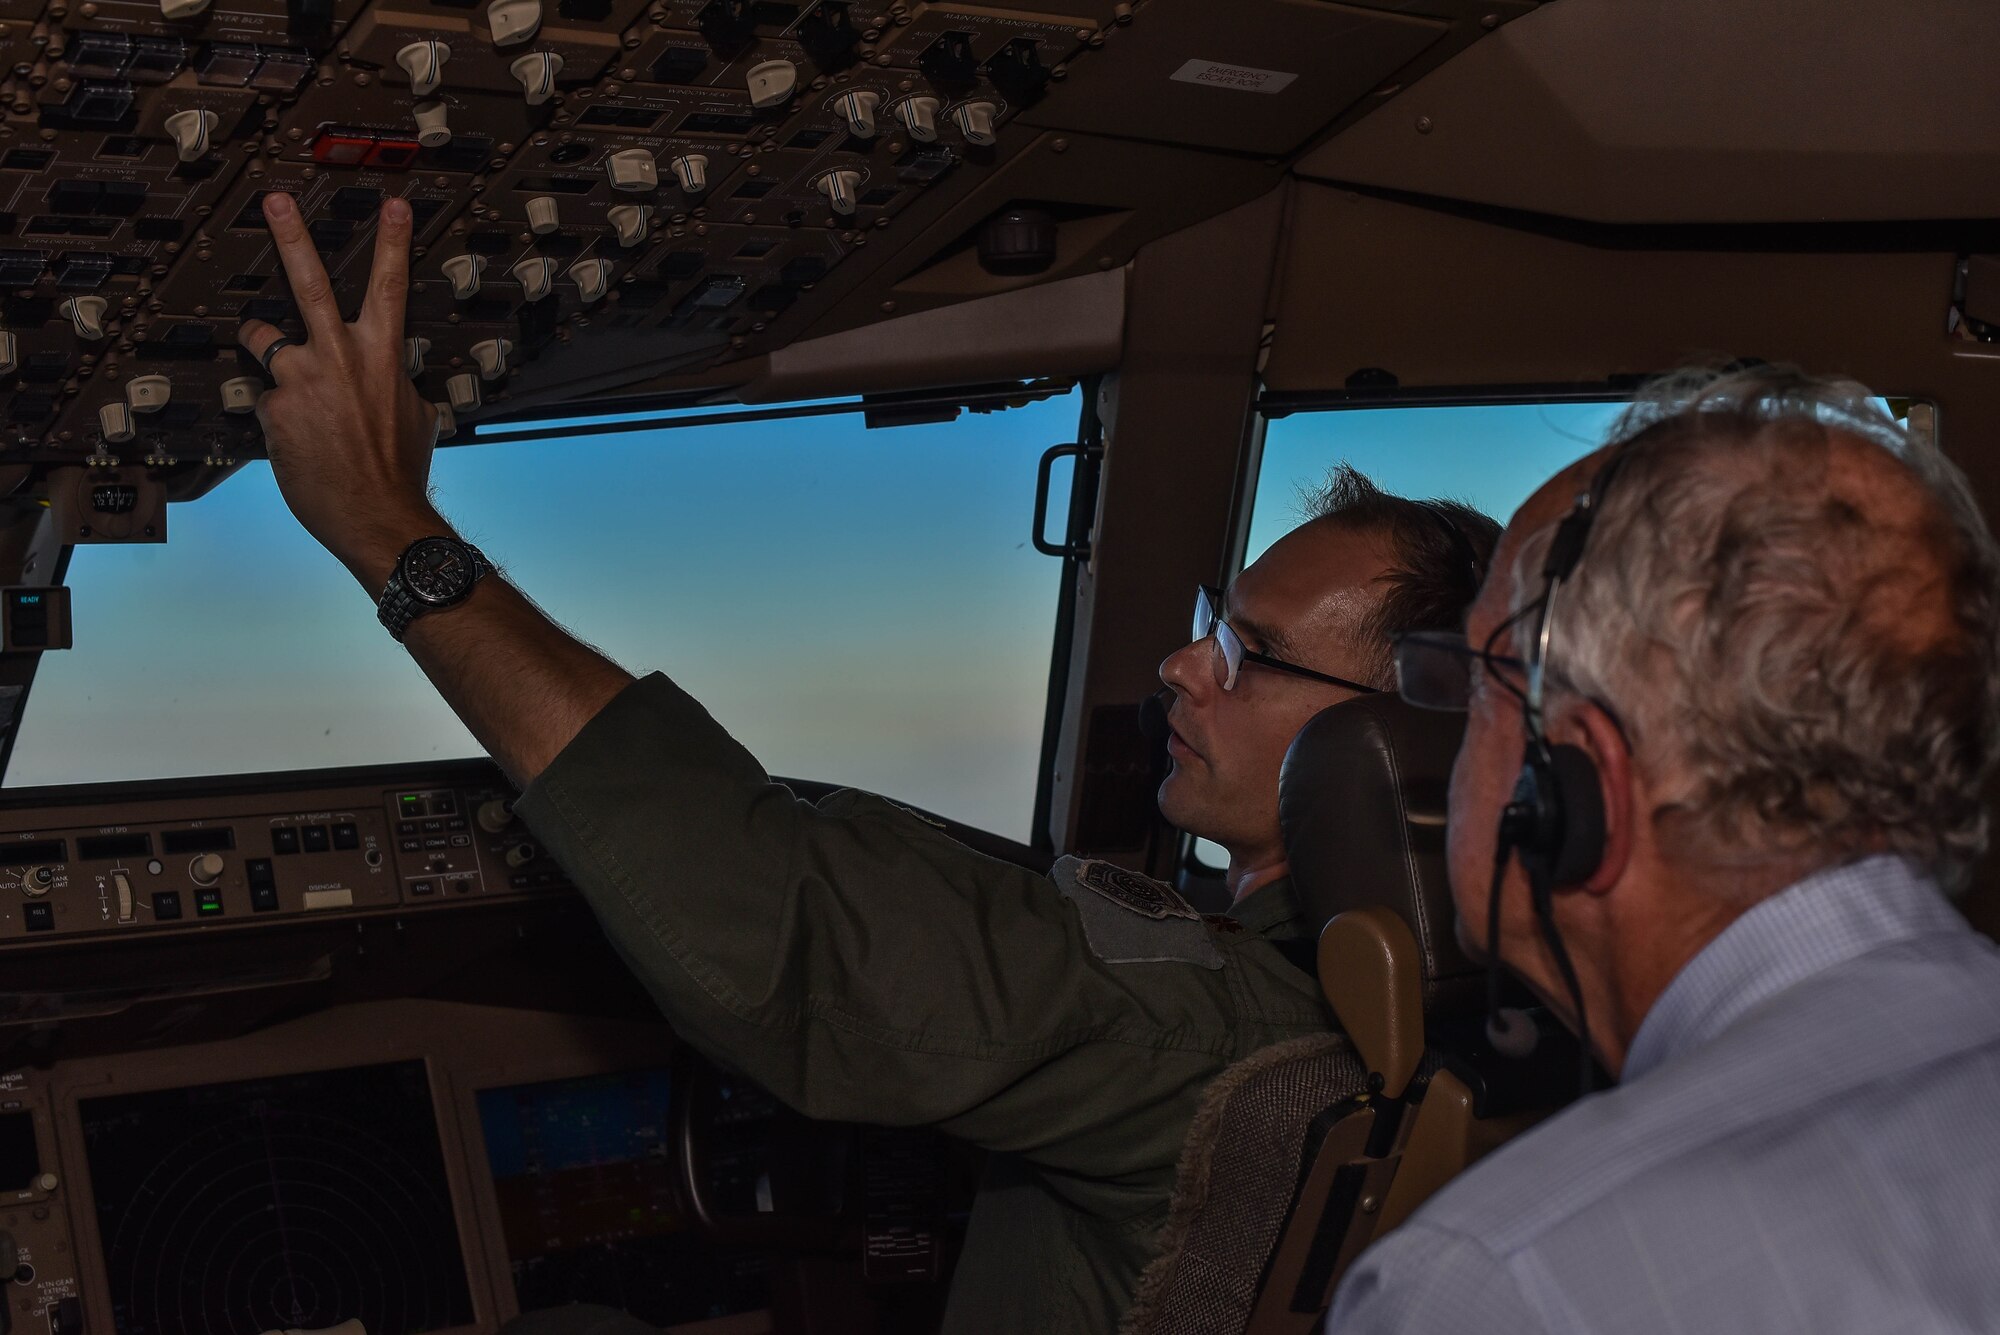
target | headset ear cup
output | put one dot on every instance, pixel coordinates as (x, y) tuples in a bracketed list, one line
[(1579, 798)]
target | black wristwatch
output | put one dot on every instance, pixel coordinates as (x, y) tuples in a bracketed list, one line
[(431, 574)]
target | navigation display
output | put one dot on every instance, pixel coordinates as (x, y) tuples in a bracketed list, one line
[(587, 1179), (295, 1201)]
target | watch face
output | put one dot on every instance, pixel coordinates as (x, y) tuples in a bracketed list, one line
[(437, 570)]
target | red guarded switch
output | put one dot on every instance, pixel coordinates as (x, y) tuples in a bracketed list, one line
[(342, 150)]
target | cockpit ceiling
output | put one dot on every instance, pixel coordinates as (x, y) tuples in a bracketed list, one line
[(1673, 111), (607, 192)]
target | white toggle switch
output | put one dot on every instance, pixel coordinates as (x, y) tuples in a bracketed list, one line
[(536, 275), (839, 188), (415, 349), (858, 110), (491, 354), (975, 121), (239, 394), (85, 315), (919, 117), (115, 421), (691, 170), (513, 21), (432, 131), (772, 83), (630, 221), (181, 9), (542, 216), (536, 73), (592, 278), (463, 390), (633, 170), (190, 131), (424, 63), (447, 420), (464, 271), (10, 353), (148, 393)]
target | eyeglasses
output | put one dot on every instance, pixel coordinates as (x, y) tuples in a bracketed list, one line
[(1231, 654), (1434, 668)]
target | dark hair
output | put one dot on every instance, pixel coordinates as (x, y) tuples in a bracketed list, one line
[(1442, 551)]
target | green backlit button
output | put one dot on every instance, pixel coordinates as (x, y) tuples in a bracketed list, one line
[(208, 903)]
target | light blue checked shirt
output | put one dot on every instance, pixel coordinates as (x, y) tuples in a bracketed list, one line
[(1806, 1139)]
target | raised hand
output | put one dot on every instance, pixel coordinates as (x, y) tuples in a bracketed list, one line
[(348, 435)]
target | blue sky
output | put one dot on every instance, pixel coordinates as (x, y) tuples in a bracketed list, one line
[(1492, 457), (857, 606)]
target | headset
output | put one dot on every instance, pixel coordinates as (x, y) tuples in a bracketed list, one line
[(1554, 820)]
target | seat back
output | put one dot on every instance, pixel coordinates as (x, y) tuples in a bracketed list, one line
[(1363, 801), (1362, 805), (1290, 1144), (1238, 1173), (1304, 1153)]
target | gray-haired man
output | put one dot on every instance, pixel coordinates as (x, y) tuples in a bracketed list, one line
[(1758, 744)]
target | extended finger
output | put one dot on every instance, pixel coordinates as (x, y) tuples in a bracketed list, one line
[(389, 280), (257, 339), (311, 288)]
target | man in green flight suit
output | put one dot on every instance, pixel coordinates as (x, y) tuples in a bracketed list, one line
[(850, 956)]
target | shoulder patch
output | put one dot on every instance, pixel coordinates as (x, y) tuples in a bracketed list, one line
[(1128, 889), (1132, 919)]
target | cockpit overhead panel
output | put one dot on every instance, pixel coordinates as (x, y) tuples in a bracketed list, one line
[(597, 183)]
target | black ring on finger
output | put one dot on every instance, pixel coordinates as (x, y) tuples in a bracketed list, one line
[(278, 344)]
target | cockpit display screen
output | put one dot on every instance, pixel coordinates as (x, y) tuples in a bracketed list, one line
[(19, 1162), (586, 1173), (272, 1204)]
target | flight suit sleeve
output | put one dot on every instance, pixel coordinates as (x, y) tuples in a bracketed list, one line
[(861, 964)]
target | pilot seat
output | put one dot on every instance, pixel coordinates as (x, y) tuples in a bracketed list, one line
[(1305, 1152)]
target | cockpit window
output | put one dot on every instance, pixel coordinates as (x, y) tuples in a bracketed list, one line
[(856, 606), (1489, 456)]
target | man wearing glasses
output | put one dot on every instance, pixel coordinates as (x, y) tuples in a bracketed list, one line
[(1734, 708), (850, 956), (1308, 625)]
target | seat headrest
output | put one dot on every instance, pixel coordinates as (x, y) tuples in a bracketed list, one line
[(1362, 804)]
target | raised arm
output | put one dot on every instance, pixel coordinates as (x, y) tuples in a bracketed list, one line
[(849, 956), (350, 445)]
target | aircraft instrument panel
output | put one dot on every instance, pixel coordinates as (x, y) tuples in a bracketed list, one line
[(602, 188)]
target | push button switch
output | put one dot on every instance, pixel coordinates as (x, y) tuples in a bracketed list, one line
[(346, 835), (208, 903), (167, 905), (263, 885), (314, 838), (39, 917), (284, 839)]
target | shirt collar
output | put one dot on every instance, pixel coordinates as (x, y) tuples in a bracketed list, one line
[(1269, 909), (1812, 925)]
